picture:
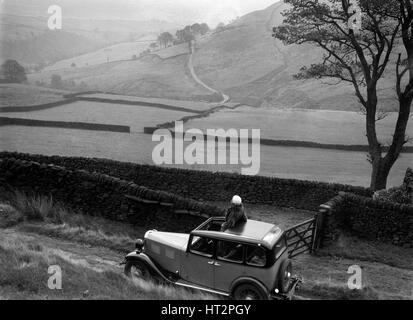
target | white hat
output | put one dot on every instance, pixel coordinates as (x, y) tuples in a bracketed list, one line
[(236, 200)]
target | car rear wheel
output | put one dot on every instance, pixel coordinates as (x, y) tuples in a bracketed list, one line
[(137, 270), (249, 291), (284, 276)]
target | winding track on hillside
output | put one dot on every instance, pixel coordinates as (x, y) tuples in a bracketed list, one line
[(226, 98)]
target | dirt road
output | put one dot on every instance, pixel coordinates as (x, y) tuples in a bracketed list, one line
[(95, 258), (199, 81)]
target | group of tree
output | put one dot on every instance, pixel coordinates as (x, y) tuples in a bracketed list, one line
[(360, 54), (12, 72), (165, 40), (187, 34)]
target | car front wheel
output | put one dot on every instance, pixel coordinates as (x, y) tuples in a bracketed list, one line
[(249, 291), (137, 270)]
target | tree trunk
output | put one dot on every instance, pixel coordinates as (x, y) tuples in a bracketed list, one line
[(382, 166), (379, 174)]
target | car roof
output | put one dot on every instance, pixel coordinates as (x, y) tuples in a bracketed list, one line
[(252, 231)]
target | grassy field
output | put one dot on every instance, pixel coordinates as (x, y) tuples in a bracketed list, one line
[(26, 95), (136, 117), (322, 126), (117, 52), (147, 77), (172, 51), (237, 56), (284, 162), (201, 106), (37, 233)]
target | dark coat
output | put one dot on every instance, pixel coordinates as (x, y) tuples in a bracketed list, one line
[(235, 215)]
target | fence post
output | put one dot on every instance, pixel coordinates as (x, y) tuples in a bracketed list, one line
[(319, 226)]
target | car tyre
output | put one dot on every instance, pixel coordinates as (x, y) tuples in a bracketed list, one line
[(284, 276), (249, 291), (137, 270)]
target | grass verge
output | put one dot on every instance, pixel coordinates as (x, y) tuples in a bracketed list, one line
[(42, 215), (24, 263), (24, 275)]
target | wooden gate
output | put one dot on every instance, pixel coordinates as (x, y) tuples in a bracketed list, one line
[(302, 238)]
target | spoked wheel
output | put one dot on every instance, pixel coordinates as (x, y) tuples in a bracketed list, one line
[(249, 292), (137, 270)]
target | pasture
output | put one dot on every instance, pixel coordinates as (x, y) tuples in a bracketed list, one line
[(172, 51), (199, 106), (284, 162), (321, 126), (147, 77), (24, 95), (117, 52), (136, 117)]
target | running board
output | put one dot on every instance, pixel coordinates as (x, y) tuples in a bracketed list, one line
[(183, 283)]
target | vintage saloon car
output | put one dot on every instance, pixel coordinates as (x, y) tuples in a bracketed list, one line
[(249, 262)]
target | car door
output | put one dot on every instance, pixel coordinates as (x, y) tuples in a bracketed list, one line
[(229, 264), (198, 265)]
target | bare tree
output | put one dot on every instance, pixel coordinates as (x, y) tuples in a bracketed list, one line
[(358, 50)]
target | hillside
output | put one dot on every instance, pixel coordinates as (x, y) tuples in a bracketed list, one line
[(249, 65), (28, 40), (243, 61), (223, 60), (150, 76), (47, 47)]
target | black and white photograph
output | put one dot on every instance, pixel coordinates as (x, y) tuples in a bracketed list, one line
[(215, 152)]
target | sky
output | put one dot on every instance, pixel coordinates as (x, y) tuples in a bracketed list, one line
[(178, 11)]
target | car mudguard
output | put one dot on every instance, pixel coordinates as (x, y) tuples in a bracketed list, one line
[(136, 256)]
